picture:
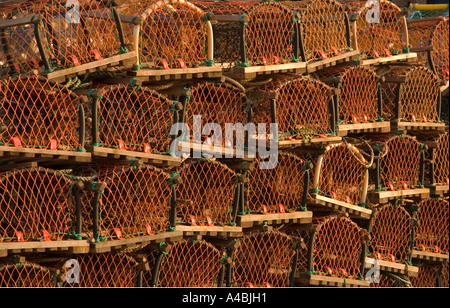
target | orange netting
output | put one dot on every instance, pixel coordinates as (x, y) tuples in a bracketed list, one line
[(324, 28), (69, 34), (358, 93), (172, 34), (337, 247), (25, 275), (441, 160), (445, 275), (410, 93), (302, 107), (431, 35), (343, 174), (131, 118), (206, 195), (135, 202), (281, 185), (39, 113), (431, 233), (191, 263), (378, 34), (264, 259), (261, 33), (106, 270), (390, 232), (219, 103), (36, 204), (428, 275)]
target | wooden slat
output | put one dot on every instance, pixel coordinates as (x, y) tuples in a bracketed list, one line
[(221, 231), (250, 220), (154, 74), (393, 267), (430, 256), (332, 61), (373, 127), (15, 154), (354, 211), (385, 60), (251, 72), (384, 196), (304, 279), (74, 246)]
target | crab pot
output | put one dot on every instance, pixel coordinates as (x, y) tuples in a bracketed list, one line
[(266, 259), (359, 105), (25, 275), (431, 232), (207, 193), (431, 275), (335, 254), (128, 202), (429, 38), (436, 164), (38, 204), (377, 36), (132, 118), (190, 263), (167, 35), (223, 103), (324, 32), (340, 182), (61, 40), (391, 231), (253, 33), (101, 270), (412, 98), (40, 114), (303, 109)]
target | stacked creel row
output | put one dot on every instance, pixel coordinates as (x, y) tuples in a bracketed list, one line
[(138, 145)]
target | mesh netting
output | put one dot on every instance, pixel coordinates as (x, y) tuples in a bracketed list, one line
[(431, 234), (282, 184), (375, 37), (191, 264), (135, 202), (70, 35), (418, 97), (343, 173), (218, 103), (337, 247), (139, 118), (428, 273), (207, 193), (324, 27), (358, 93), (25, 275), (105, 270), (390, 232), (35, 204), (173, 33), (431, 34), (441, 160), (302, 107), (40, 113), (400, 161), (268, 32), (264, 259)]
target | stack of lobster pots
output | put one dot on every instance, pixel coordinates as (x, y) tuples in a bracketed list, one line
[(222, 143)]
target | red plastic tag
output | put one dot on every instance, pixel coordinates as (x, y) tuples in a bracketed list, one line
[(118, 233), (375, 53), (425, 120), (413, 118), (404, 185), (354, 119), (322, 54), (322, 136), (264, 61), (365, 119), (377, 255), (336, 51), (46, 236), (97, 55), (347, 199), (164, 64), (333, 195), (275, 60), (53, 145), (391, 257), (16, 142), (120, 144), (387, 52), (147, 148), (422, 246), (75, 60), (329, 270), (266, 284), (209, 221), (391, 187), (281, 208), (149, 230), (34, 63), (19, 236), (436, 249), (264, 208), (248, 285), (343, 272), (181, 63), (193, 221)]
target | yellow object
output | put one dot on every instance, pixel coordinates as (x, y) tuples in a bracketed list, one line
[(428, 7)]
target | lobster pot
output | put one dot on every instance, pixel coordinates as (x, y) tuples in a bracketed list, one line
[(25, 275), (429, 37), (37, 204), (277, 184), (219, 103), (101, 270), (131, 118), (431, 275), (167, 34), (411, 94), (335, 248), (131, 202), (37, 113), (438, 154), (390, 230), (45, 36), (265, 259), (341, 173), (431, 234), (252, 33), (207, 193), (376, 35), (325, 28), (191, 263), (301, 107), (358, 99)]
